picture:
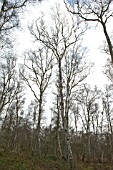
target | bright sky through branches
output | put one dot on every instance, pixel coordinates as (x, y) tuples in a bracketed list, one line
[(69, 1), (93, 38)]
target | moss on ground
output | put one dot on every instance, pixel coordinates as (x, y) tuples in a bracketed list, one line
[(14, 161)]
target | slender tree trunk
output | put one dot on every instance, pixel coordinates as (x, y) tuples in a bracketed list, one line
[(39, 125), (67, 137), (58, 123), (110, 46), (61, 91)]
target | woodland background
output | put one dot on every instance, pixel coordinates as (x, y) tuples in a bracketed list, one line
[(49, 79)]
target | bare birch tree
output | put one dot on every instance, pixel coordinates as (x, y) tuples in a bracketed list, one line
[(63, 38), (39, 66), (107, 111), (8, 83), (87, 100)]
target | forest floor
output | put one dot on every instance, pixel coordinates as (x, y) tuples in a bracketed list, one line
[(14, 161)]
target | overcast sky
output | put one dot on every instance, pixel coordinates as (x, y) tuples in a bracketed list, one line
[(93, 39)]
